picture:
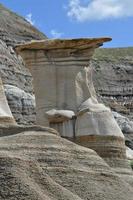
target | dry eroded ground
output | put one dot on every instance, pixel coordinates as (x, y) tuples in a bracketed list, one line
[(39, 165)]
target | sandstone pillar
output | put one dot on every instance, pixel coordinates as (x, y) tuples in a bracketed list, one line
[(65, 96), (56, 66)]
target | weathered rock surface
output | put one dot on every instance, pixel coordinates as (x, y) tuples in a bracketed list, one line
[(125, 124), (12, 69), (13, 30), (113, 78), (22, 103), (6, 116), (37, 165), (62, 67), (129, 153)]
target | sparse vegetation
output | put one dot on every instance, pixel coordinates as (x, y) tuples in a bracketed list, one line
[(113, 54)]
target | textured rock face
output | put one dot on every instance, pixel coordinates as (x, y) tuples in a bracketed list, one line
[(125, 124), (113, 78), (38, 165), (5, 112), (129, 153), (13, 30), (12, 69), (22, 103), (57, 67)]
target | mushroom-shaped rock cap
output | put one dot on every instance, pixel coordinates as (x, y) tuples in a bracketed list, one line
[(50, 44)]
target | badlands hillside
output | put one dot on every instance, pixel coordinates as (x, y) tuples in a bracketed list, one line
[(113, 72), (36, 163)]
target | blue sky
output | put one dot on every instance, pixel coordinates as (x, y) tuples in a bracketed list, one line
[(79, 18)]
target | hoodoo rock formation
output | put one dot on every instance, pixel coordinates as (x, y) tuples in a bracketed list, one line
[(62, 81), (66, 99), (35, 162), (113, 77)]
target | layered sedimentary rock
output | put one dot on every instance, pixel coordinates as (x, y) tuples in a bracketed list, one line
[(126, 125), (38, 165), (113, 78), (15, 75), (5, 112), (66, 98), (22, 104), (13, 30)]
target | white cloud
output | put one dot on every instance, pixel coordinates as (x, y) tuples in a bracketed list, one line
[(29, 19), (55, 33), (86, 10)]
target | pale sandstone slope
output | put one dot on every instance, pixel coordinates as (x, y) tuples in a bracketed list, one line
[(37, 165)]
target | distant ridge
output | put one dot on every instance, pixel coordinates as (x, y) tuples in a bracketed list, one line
[(17, 81), (16, 29)]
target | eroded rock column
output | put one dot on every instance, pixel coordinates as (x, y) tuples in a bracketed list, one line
[(66, 98), (56, 67)]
